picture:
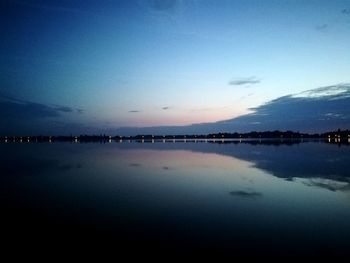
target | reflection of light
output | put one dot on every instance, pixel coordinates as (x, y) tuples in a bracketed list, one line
[(143, 140), (152, 140), (329, 139), (163, 140), (109, 140), (20, 140)]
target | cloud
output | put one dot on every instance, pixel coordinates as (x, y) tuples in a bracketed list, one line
[(246, 194), (134, 111), (317, 110), (165, 108), (244, 81), (11, 108), (321, 27), (22, 116), (63, 109), (329, 184), (346, 11), (134, 164)]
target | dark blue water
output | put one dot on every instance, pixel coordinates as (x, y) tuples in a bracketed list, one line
[(239, 198)]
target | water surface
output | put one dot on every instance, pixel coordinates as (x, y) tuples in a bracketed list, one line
[(230, 197)]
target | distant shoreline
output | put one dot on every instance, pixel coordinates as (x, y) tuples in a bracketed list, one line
[(340, 136)]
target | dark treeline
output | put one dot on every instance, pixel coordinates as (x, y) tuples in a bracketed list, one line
[(336, 136)]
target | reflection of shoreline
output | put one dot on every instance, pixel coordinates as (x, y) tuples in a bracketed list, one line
[(285, 159)]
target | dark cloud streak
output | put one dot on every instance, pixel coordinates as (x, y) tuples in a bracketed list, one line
[(246, 194), (346, 11), (244, 81), (322, 27)]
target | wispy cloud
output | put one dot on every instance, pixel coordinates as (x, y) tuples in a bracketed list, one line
[(346, 11), (134, 111), (246, 194), (244, 81), (21, 109), (322, 27), (63, 108), (20, 116), (166, 108)]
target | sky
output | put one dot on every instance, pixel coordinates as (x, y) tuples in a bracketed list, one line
[(93, 66)]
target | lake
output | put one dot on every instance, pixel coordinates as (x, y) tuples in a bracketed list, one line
[(247, 197)]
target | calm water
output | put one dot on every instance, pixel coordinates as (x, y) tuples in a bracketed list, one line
[(233, 197)]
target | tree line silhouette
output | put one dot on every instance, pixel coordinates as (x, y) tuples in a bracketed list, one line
[(332, 136)]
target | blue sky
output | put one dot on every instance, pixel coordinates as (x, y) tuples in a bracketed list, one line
[(145, 63)]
